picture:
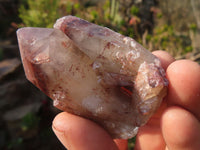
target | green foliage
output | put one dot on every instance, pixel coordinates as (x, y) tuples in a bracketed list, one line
[(94, 14), (193, 27), (134, 10), (30, 121), (159, 15), (39, 13), (130, 32), (77, 6), (43, 13), (188, 49), (69, 7), (131, 143), (148, 37), (165, 38)]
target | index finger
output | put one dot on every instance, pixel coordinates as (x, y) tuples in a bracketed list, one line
[(184, 85)]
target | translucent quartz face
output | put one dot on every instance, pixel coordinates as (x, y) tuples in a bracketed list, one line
[(94, 72)]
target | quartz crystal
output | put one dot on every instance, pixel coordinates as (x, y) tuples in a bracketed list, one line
[(94, 72)]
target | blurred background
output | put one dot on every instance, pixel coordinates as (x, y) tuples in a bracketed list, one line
[(26, 113)]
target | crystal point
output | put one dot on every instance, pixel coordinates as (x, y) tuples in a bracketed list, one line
[(94, 72)]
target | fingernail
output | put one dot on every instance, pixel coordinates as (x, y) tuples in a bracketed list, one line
[(62, 137)]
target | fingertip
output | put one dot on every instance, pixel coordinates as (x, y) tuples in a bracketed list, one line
[(179, 65), (180, 129), (58, 121), (59, 128), (121, 144), (165, 58), (184, 85), (81, 134)]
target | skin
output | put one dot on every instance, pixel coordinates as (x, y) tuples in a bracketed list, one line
[(175, 126)]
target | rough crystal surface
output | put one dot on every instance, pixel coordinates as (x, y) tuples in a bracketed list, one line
[(94, 72)]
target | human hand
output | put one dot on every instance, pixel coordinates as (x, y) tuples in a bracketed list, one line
[(175, 126)]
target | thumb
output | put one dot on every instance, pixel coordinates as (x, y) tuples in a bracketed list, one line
[(78, 133)]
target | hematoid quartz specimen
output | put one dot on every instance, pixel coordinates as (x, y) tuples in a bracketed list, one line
[(94, 72)]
